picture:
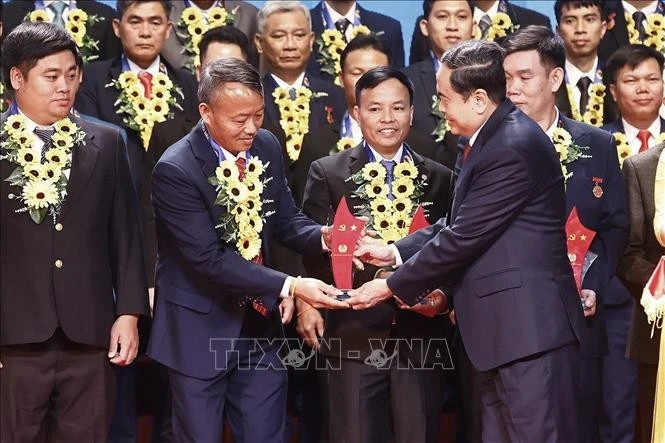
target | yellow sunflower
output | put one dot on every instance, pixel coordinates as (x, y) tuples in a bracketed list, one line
[(161, 92), (159, 107), (14, 124), (391, 234), (65, 126), (376, 188), (331, 37), (191, 16), (361, 29), (39, 15), (374, 171), (255, 188), (253, 169), (380, 206), (51, 172), (128, 78), (23, 138), (162, 79), (502, 21), (403, 188), (227, 171), (249, 247), (403, 206), (560, 135), (345, 143), (77, 15), (237, 191), (198, 29), (253, 205), (405, 169), (217, 17), (61, 140), (76, 31), (40, 194), (25, 156), (57, 156)]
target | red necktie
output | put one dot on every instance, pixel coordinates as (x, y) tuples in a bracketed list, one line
[(146, 80), (644, 136), (467, 150)]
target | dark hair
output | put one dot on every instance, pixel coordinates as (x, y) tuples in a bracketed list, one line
[(224, 34), (428, 5), (374, 77), (631, 56), (477, 64), (228, 70), (547, 44), (371, 41), (576, 4), (30, 42), (123, 5)]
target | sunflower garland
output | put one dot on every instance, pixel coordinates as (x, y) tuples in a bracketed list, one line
[(43, 185), (391, 219), (501, 26), (331, 43), (442, 126), (194, 23), (294, 116), (568, 150), (654, 31), (593, 114), (77, 23), (142, 113), (242, 221), (623, 148)]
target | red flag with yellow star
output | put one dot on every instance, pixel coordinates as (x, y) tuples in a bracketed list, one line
[(579, 240)]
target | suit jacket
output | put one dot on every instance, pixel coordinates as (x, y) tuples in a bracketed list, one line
[(326, 185), (96, 99), (643, 250), (424, 80), (505, 250), (420, 45), (610, 110), (617, 126), (13, 14), (201, 283), (245, 20), (392, 35), (97, 236), (163, 135), (607, 216)]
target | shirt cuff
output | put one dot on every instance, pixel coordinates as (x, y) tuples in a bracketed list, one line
[(323, 245), (285, 288), (398, 256)]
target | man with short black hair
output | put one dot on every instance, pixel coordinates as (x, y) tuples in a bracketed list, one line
[(73, 283), (502, 249)]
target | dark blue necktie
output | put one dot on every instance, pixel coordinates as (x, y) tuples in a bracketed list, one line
[(390, 167)]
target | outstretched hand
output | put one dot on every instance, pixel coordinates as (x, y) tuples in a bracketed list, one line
[(369, 295), (318, 294), (374, 252)]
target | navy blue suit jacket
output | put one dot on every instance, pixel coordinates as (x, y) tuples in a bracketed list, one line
[(392, 35), (200, 281), (617, 126), (504, 251), (607, 216)]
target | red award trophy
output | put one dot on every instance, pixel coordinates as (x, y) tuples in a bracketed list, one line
[(419, 221), (579, 240), (346, 233)]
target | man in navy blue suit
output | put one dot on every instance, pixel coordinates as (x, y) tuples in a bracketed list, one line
[(343, 16), (503, 252), (209, 296), (535, 61)]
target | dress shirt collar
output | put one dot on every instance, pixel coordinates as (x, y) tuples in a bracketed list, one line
[(378, 157), (550, 130), (297, 84), (478, 13), (335, 16), (152, 69), (573, 73), (649, 9), (631, 131)]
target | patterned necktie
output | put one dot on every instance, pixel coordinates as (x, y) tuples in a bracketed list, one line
[(45, 136), (146, 80), (390, 167), (644, 136), (640, 17), (342, 25), (583, 85), (58, 8), (485, 23)]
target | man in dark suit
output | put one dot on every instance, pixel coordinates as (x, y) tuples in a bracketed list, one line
[(14, 13), (503, 252), (593, 185), (582, 25), (627, 17), (445, 24), (209, 297), (142, 27), (635, 268), (406, 406), (420, 46), (73, 284), (344, 16), (244, 19)]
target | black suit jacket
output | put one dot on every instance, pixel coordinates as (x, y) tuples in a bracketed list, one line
[(607, 216), (14, 12), (96, 99), (392, 36), (424, 81), (420, 45), (99, 244), (326, 185), (504, 251)]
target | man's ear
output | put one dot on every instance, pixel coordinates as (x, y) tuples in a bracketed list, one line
[(257, 43), (423, 27), (116, 27), (556, 78), (481, 101), (613, 90), (16, 78)]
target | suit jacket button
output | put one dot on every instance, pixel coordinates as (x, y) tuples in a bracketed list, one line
[(58, 263), (58, 227)]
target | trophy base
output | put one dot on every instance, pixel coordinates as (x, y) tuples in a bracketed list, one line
[(344, 296)]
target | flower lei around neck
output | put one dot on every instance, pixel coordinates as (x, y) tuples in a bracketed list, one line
[(331, 43), (194, 23), (241, 223), (76, 25), (623, 148), (568, 150), (442, 127), (654, 31), (593, 114), (391, 219), (142, 113), (43, 185), (500, 27), (294, 116)]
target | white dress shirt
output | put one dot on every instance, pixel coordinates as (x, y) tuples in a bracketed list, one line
[(631, 134), (297, 84), (573, 75), (336, 16), (492, 11)]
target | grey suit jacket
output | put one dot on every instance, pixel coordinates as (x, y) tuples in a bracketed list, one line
[(643, 251), (245, 20)]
